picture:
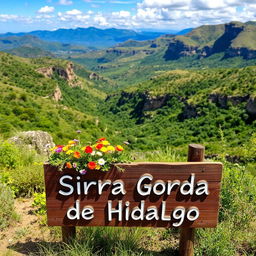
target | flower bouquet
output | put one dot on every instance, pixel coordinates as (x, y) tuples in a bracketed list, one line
[(99, 156)]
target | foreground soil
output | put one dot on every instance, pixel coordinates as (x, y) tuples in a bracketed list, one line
[(27, 234), (22, 237)]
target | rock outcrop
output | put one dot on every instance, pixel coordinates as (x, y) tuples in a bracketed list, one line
[(243, 52), (232, 30), (223, 100), (251, 107), (154, 102), (46, 72), (178, 49), (37, 140), (146, 102), (57, 95), (66, 73), (94, 76)]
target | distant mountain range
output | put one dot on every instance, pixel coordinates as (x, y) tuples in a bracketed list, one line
[(208, 46), (31, 46), (89, 37)]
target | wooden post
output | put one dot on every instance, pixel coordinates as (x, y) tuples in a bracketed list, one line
[(68, 234), (186, 246)]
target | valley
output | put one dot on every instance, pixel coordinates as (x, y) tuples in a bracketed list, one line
[(133, 92), (154, 94)]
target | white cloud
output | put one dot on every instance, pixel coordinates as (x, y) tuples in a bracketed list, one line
[(177, 14), (164, 3), (121, 14), (159, 14), (74, 12), (100, 20), (7, 17), (65, 2), (46, 9)]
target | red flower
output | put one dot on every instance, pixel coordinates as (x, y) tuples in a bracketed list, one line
[(91, 165), (101, 139), (99, 146), (88, 150), (60, 146)]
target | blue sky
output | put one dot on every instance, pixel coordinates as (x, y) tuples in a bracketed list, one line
[(27, 15)]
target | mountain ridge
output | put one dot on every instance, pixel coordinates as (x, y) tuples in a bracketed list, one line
[(90, 36)]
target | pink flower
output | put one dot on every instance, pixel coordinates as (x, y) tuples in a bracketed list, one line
[(58, 150)]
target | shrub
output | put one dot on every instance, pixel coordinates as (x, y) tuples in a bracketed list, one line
[(39, 203), (27, 180), (9, 155), (6, 206)]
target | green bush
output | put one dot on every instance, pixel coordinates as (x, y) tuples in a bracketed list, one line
[(9, 155), (39, 203), (27, 180), (6, 206)]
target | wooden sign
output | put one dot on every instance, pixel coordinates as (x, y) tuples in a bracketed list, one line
[(143, 195)]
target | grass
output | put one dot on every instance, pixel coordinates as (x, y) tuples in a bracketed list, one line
[(235, 234)]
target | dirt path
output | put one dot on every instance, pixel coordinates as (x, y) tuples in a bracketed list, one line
[(21, 236)]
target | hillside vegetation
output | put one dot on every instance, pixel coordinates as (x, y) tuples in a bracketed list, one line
[(180, 107), (60, 103), (156, 119), (208, 46)]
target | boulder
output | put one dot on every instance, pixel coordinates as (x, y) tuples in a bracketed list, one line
[(37, 140)]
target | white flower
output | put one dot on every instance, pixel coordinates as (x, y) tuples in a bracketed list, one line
[(99, 154), (93, 153), (101, 161), (83, 172)]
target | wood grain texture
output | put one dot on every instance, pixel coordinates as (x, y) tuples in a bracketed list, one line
[(58, 205), (187, 234)]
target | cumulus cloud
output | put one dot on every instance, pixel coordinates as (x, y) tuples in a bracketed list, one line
[(65, 2), (46, 9), (74, 12), (190, 13), (164, 3), (154, 14), (7, 17)]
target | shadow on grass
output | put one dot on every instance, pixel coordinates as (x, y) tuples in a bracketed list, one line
[(34, 248), (41, 247)]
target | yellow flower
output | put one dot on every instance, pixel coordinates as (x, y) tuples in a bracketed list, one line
[(97, 167), (105, 143), (66, 148), (52, 149), (110, 148), (69, 152), (71, 142), (104, 149), (119, 148)]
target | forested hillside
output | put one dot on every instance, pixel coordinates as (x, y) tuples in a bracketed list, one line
[(208, 46), (46, 94), (179, 107)]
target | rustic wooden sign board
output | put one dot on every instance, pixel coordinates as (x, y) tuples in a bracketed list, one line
[(143, 195)]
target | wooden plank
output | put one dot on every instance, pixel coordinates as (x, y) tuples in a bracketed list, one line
[(58, 205), (187, 234)]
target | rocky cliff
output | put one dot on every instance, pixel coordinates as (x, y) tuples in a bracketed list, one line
[(238, 39), (178, 49), (66, 73)]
